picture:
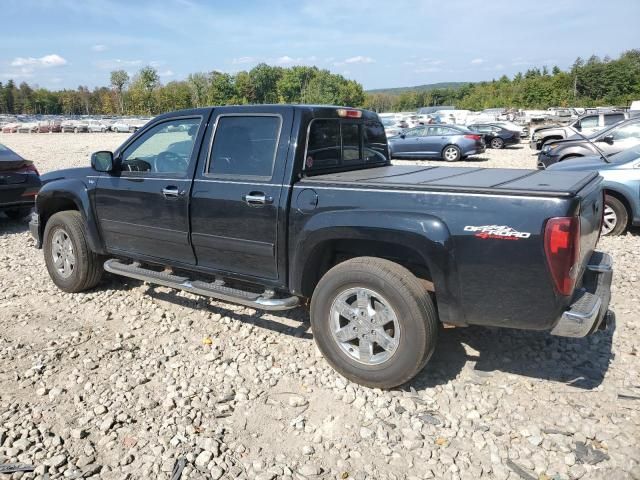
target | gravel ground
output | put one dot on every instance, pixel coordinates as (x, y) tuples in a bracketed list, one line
[(120, 382)]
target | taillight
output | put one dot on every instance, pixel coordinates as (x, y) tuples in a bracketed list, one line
[(349, 113), (28, 169), (473, 137), (562, 247)]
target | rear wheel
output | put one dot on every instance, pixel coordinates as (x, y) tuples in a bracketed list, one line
[(18, 213), (616, 217), (72, 266), (451, 153), (374, 322), (497, 143)]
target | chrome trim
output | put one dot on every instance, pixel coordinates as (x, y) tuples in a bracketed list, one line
[(242, 183), (264, 302), (577, 324)]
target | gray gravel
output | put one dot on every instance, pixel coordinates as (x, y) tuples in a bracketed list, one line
[(122, 381)]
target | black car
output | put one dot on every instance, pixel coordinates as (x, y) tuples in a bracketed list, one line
[(19, 184), (495, 136)]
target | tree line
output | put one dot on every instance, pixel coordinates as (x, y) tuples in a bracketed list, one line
[(594, 82), (587, 83), (144, 94)]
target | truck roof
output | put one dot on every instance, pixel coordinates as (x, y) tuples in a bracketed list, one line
[(506, 181)]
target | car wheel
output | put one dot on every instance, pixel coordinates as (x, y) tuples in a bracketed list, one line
[(374, 322), (75, 130), (615, 218), (72, 266), (18, 213), (497, 143), (451, 153)]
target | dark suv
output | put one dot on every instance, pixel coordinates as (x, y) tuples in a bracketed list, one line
[(496, 136)]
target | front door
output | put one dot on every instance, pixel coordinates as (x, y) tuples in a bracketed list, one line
[(412, 143), (143, 207), (238, 198)]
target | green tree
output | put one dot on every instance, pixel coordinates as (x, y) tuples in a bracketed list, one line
[(119, 80)]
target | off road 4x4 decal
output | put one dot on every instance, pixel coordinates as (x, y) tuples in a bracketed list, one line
[(499, 232)]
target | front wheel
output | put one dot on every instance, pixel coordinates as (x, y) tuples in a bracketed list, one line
[(497, 143), (451, 153), (615, 218), (72, 265), (374, 322)]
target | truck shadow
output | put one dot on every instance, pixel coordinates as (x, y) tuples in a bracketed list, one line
[(477, 353), (7, 225)]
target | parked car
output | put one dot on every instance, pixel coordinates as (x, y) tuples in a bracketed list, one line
[(10, 128), (29, 127), (494, 135), (523, 130), (447, 142), (621, 185), (74, 127), (392, 127), (614, 139), (19, 184), (586, 125), (121, 127), (96, 126), (270, 206)]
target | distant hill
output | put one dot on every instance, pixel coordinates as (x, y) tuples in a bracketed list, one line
[(418, 88)]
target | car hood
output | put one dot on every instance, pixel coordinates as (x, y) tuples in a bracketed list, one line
[(552, 127), (67, 173), (581, 164)]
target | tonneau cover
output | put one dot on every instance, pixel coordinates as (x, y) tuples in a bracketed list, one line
[(508, 181)]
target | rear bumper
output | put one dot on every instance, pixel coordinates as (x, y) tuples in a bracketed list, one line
[(590, 304)]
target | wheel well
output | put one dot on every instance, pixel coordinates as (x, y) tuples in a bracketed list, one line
[(571, 155), (551, 138), (55, 205), (623, 200), (330, 253)]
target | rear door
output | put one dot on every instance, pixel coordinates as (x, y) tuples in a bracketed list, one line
[(239, 198), (143, 208)]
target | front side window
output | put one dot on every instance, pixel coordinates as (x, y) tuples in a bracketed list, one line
[(245, 146), (628, 131), (164, 148), (415, 132)]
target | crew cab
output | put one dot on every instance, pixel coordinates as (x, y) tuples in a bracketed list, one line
[(276, 206), (584, 126)]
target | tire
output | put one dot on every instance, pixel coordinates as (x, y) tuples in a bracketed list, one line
[(75, 130), (497, 143), (615, 218), (18, 213), (413, 329), (451, 153), (86, 271)]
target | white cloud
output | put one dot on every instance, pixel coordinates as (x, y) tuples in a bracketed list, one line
[(477, 61), (47, 61), (99, 48), (166, 73), (287, 60), (359, 59)]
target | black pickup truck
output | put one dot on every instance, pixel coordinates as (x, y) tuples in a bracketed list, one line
[(278, 206)]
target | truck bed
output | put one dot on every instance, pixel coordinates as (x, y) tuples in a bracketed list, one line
[(507, 181)]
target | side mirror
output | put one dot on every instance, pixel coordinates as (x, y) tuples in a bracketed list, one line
[(102, 161), (607, 139), (402, 135), (577, 126)]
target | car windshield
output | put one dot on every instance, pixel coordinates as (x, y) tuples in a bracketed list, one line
[(625, 156)]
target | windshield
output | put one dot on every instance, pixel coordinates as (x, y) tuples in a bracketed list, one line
[(625, 156)]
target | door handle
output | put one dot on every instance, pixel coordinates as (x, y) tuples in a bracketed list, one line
[(172, 192), (257, 199)]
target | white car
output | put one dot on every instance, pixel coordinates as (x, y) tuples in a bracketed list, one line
[(121, 127), (96, 126), (514, 127)]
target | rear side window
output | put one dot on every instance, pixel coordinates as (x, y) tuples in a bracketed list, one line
[(613, 119), (245, 146), (336, 144)]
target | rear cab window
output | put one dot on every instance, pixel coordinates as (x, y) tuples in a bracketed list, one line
[(344, 144)]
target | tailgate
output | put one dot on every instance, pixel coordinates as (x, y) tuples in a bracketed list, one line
[(591, 209)]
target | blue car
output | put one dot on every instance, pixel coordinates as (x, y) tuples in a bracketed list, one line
[(446, 142), (621, 173)]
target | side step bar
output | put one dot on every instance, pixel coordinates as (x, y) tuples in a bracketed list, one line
[(260, 301)]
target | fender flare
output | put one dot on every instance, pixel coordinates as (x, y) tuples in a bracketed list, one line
[(69, 190), (425, 235)]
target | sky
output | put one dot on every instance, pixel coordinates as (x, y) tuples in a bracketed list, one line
[(66, 43)]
